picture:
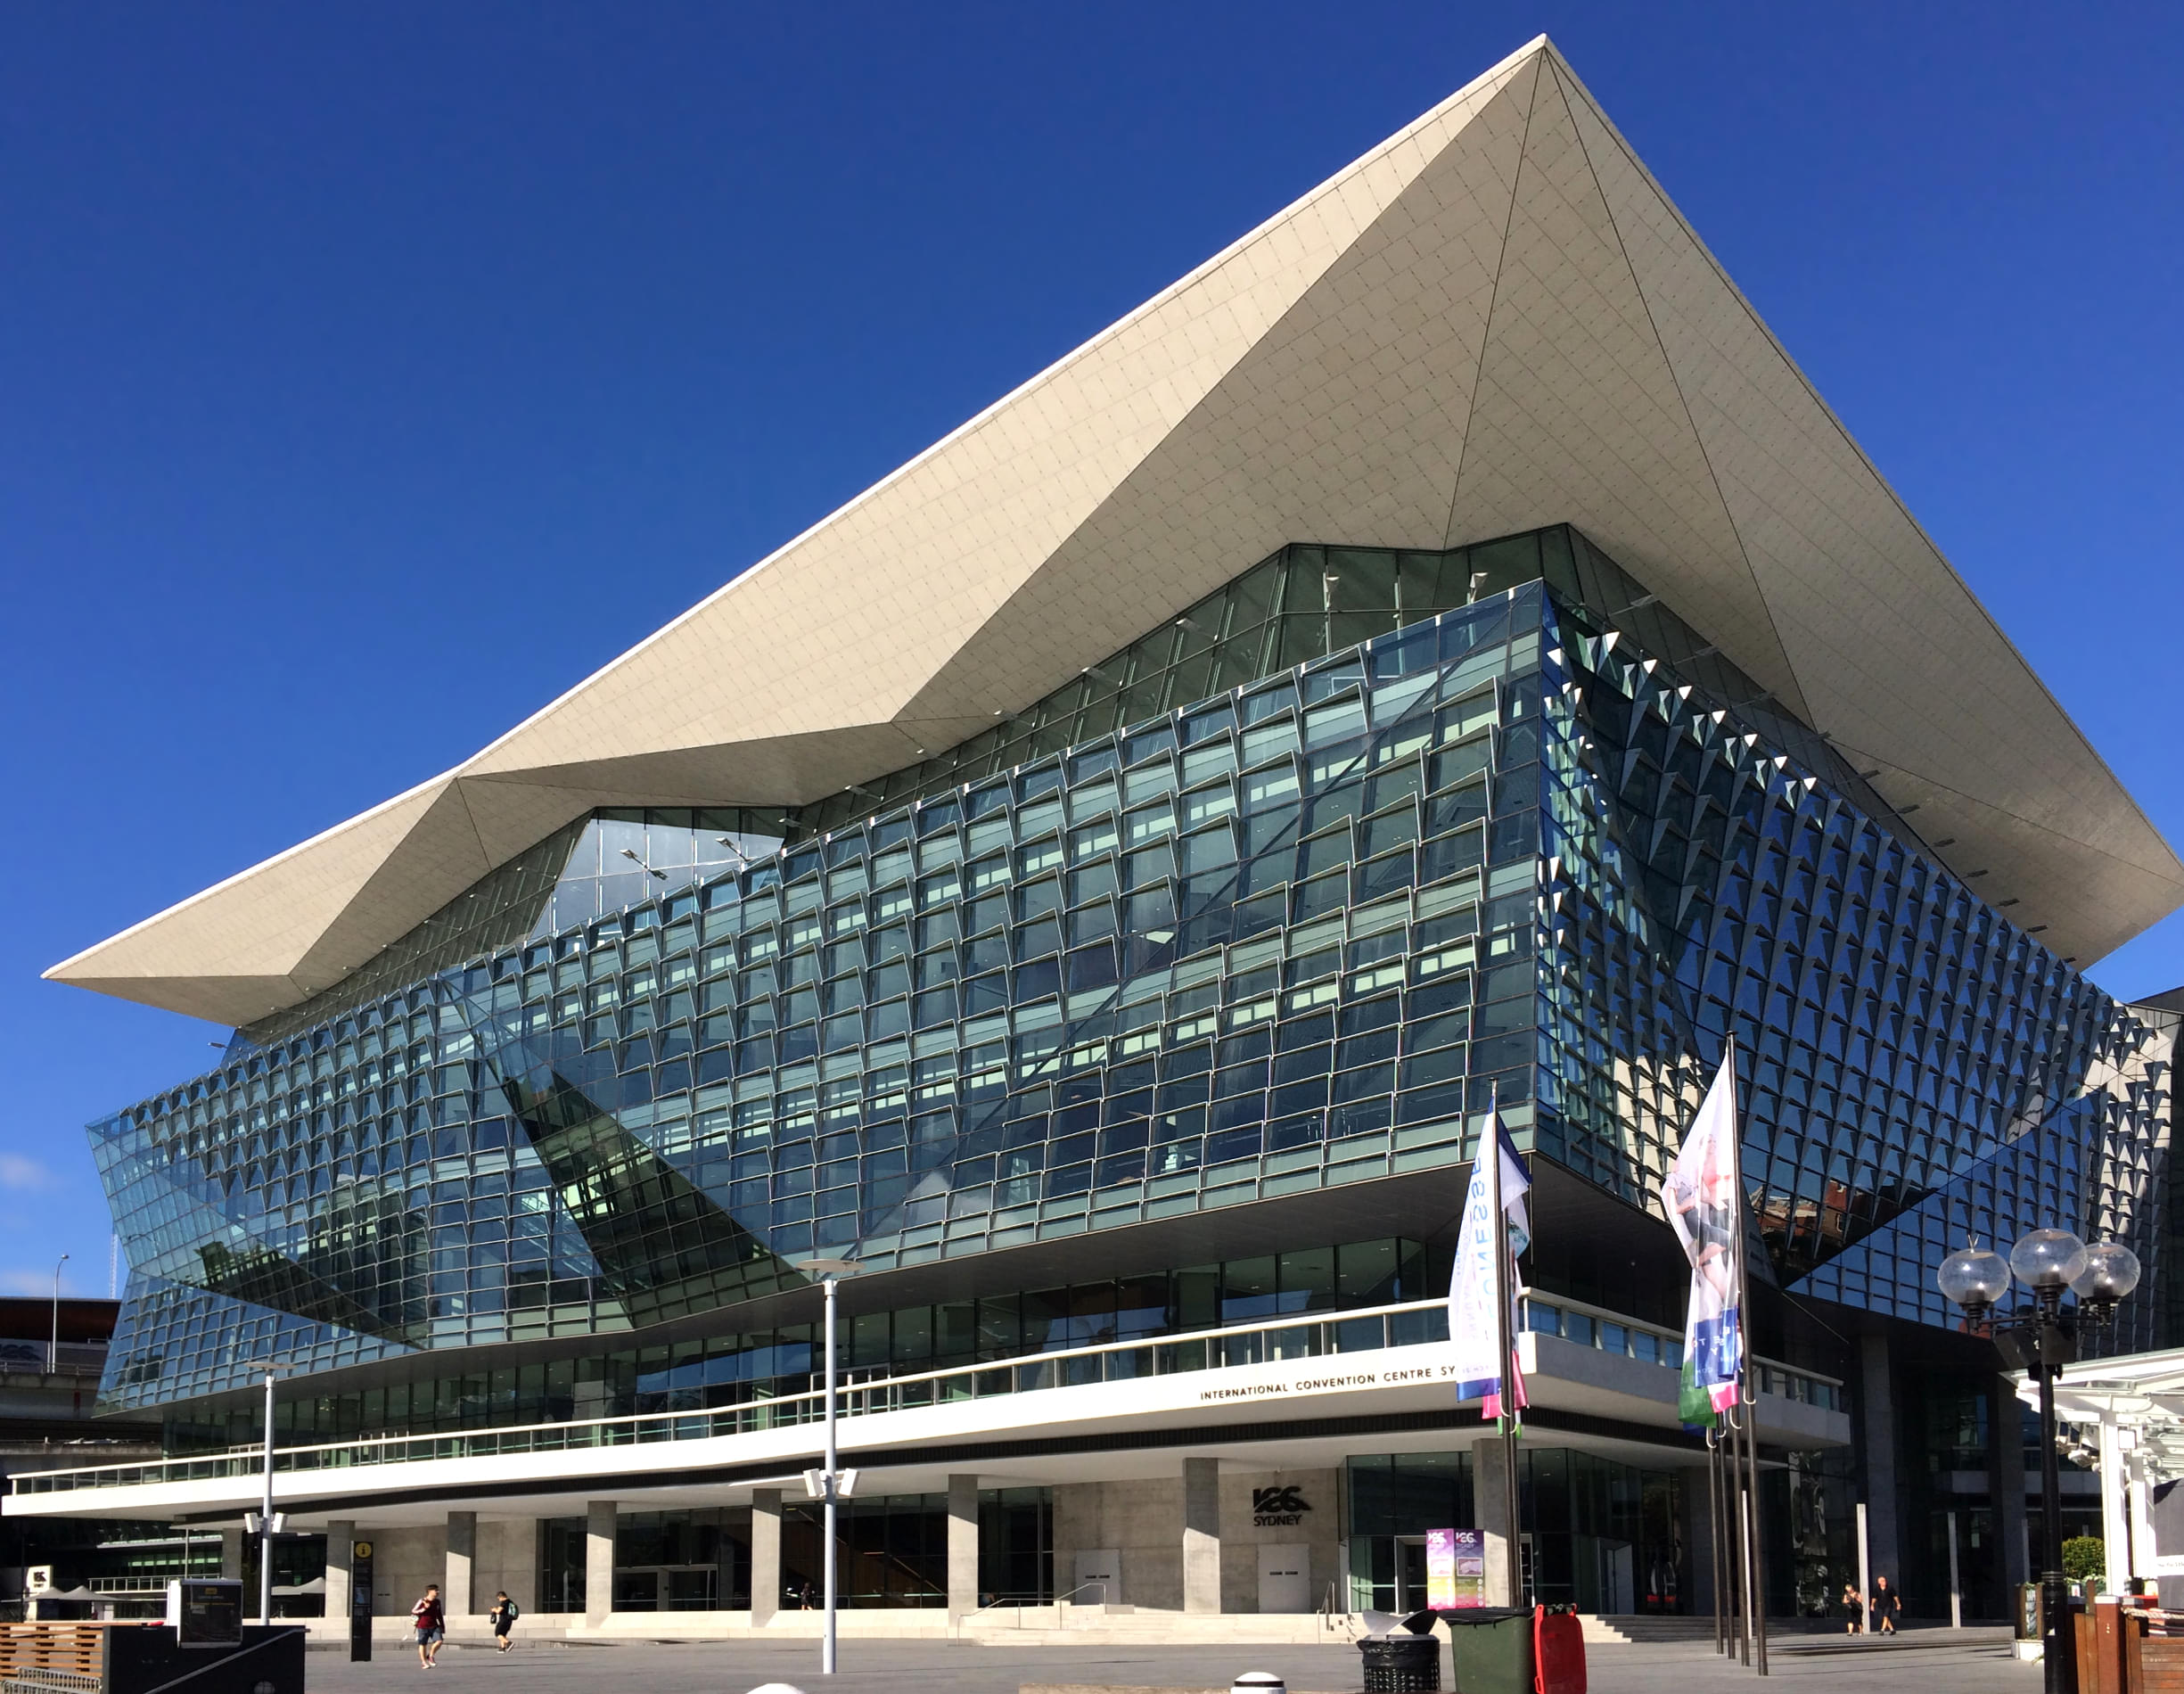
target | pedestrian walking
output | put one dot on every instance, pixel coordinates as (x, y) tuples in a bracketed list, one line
[(1886, 1604), (430, 1618), (1853, 1610), (504, 1615)]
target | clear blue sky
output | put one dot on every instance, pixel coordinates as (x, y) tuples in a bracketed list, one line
[(368, 374)]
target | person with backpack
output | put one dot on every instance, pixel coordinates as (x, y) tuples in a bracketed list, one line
[(430, 1618), (504, 1615)]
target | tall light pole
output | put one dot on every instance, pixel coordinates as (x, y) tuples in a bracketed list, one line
[(268, 1523), (830, 1271), (52, 1353), (2043, 1338)]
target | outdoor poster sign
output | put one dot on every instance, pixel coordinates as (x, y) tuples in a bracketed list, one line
[(1455, 1569)]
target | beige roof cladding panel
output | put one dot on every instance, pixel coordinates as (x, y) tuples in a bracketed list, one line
[(1580, 418), (258, 925), (1891, 650), (1493, 321), (880, 597), (1346, 418)]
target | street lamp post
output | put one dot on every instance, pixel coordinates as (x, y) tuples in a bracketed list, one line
[(831, 1479), (2041, 1338), (268, 1521), (52, 1353)]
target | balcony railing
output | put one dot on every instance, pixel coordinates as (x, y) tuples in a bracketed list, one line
[(1369, 1330)]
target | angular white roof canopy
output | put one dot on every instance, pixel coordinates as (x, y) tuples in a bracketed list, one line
[(1494, 321)]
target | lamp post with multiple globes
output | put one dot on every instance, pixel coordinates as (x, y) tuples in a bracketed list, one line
[(2041, 1338)]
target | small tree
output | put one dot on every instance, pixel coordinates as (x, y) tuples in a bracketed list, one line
[(2084, 1556)]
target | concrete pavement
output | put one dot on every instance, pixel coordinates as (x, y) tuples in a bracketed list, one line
[(1921, 1662)]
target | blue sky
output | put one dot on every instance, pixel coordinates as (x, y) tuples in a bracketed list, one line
[(370, 374)]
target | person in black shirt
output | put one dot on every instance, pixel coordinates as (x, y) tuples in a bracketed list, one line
[(1886, 1606), (504, 1615)]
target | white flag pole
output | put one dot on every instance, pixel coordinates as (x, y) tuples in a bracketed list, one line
[(1505, 1282), (1747, 1386)]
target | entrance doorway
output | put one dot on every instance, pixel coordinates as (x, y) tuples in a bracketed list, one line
[(1409, 1573), (1286, 1578), (666, 1588)]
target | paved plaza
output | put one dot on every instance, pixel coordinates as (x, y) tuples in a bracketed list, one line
[(1929, 1661)]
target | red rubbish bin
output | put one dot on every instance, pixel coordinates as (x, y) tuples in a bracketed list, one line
[(1558, 1652)]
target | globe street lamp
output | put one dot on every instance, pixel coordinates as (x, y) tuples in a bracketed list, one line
[(2041, 1338)]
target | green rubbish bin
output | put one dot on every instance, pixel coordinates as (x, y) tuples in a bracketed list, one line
[(1492, 1650)]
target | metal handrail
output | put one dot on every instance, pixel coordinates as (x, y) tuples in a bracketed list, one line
[(907, 1392), (1057, 1602), (1315, 1335)]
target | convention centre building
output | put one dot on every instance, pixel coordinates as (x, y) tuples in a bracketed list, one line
[(1441, 651)]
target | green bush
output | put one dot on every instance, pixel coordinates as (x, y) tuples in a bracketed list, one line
[(2084, 1556)]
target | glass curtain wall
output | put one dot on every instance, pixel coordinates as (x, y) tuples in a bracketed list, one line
[(1286, 936)]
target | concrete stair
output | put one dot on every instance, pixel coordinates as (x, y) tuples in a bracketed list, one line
[(1626, 1631), (1126, 1626)]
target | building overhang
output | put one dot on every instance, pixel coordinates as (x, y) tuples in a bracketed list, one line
[(1494, 321)]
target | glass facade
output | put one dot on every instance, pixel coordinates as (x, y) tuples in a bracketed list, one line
[(1603, 1536), (891, 1553), (1273, 903)]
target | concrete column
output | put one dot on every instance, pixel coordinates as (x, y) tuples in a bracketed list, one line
[(962, 1546), (1490, 1496), (2114, 1509), (2006, 1416), (519, 1567), (1877, 1401), (1201, 1534), (598, 1561), (458, 1577), (231, 1553), (765, 1555), (341, 1537)]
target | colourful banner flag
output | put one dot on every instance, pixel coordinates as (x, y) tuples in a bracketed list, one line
[(1702, 1195), (1495, 1222)]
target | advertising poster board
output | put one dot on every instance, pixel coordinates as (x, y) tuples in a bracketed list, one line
[(1455, 1569)]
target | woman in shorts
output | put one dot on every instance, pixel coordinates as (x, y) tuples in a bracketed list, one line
[(431, 1619)]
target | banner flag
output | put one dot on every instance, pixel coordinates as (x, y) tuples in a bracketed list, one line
[(1702, 1195), (1499, 1184)]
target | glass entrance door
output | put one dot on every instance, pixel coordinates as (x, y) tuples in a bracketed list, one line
[(666, 1588), (1409, 1573)]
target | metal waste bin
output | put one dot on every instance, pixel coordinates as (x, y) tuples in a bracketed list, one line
[(1401, 1663), (1492, 1650)]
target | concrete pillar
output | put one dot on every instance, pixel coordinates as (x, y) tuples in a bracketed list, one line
[(962, 1546), (458, 1589), (1490, 1496), (1877, 1401), (598, 1561), (340, 1538), (520, 1551), (2114, 1509), (2006, 1416), (231, 1553), (1201, 1534), (765, 1555)]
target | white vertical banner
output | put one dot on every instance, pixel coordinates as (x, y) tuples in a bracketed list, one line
[(1480, 1289), (1702, 1195)]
